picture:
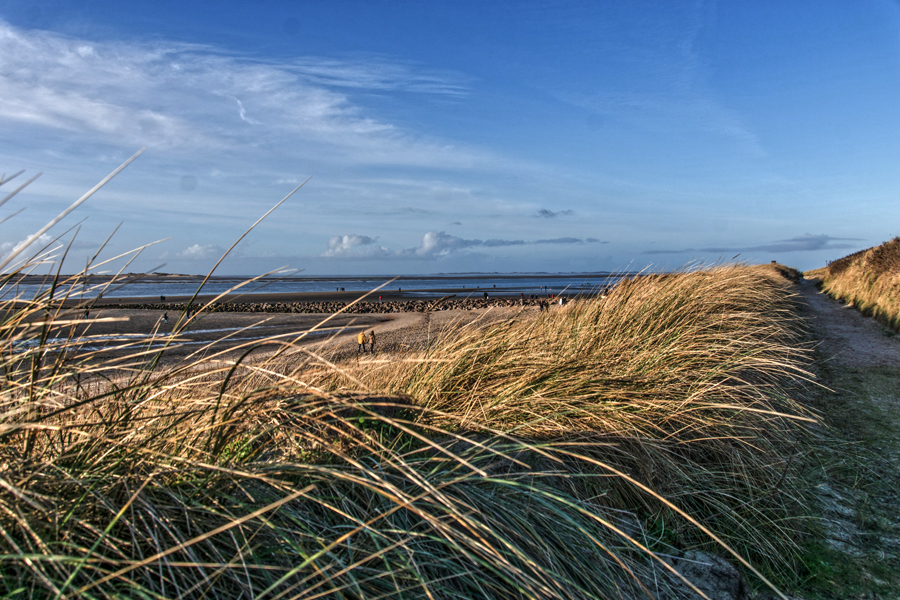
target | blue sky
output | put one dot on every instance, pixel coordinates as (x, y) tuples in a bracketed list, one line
[(454, 136)]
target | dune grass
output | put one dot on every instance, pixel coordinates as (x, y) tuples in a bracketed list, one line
[(869, 280), (236, 480), (688, 382), (562, 455), (543, 480)]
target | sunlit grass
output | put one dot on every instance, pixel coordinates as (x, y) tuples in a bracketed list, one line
[(869, 280), (561, 455), (688, 382)]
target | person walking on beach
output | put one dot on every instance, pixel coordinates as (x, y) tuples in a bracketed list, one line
[(372, 342), (361, 342), (166, 318)]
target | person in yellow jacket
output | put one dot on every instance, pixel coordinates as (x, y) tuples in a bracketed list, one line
[(361, 342)]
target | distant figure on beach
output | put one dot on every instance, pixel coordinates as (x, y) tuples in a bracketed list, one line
[(379, 299), (361, 342), (166, 318), (372, 342), (485, 295), (87, 313), (162, 298)]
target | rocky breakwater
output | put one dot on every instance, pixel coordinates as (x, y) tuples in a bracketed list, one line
[(333, 307)]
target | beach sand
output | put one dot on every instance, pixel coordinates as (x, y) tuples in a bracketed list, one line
[(114, 333)]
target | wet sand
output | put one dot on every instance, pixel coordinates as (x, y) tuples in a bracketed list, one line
[(114, 334), (116, 329)]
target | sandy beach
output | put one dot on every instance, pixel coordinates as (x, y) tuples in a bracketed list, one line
[(123, 328)]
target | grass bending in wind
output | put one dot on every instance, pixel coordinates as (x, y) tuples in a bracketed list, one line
[(231, 484), (218, 477), (689, 382), (868, 280)]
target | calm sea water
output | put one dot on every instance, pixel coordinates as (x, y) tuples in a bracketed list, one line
[(505, 285)]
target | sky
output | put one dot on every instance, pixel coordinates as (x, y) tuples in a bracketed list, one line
[(443, 136)]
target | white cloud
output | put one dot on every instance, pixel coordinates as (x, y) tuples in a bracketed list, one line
[(199, 252), (435, 244), (39, 245), (343, 245), (438, 243)]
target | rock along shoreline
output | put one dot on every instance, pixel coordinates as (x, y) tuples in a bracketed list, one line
[(330, 307)]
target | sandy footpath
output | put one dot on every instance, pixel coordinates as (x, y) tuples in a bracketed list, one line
[(847, 337)]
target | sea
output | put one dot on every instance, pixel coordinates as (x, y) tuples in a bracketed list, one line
[(499, 284)]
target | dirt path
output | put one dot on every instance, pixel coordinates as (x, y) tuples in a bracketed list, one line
[(847, 337), (859, 479)]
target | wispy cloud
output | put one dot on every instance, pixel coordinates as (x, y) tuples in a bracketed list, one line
[(378, 74), (668, 86), (401, 211), (438, 243), (804, 243), (185, 97), (243, 113), (545, 213), (201, 252)]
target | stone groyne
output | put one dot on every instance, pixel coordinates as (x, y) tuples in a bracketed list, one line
[(365, 307)]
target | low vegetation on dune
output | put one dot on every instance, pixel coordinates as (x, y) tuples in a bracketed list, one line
[(574, 453), (869, 280), (566, 454), (688, 382)]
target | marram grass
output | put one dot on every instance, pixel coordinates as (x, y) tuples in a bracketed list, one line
[(688, 382), (225, 479), (869, 280), (554, 456)]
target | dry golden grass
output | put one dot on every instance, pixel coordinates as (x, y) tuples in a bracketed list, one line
[(535, 457), (869, 280), (559, 456), (686, 381)]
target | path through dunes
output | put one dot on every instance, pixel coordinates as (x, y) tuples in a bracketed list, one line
[(859, 555)]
